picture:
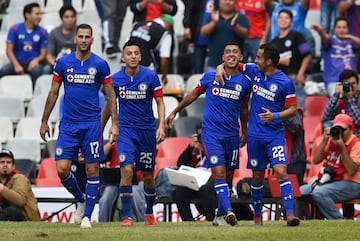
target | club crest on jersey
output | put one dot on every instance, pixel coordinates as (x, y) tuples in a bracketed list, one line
[(254, 162), (92, 71), (273, 87), (143, 87), (238, 87), (36, 38), (122, 157), (214, 159), (215, 91)]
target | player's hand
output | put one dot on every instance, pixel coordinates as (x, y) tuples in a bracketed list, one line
[(113, 133), (169, 119), (160, 135), (44, 131), (220, 75), (267, 116)]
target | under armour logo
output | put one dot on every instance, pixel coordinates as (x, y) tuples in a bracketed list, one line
[(70, 70)]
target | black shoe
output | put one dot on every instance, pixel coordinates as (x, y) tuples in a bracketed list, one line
[(111, 52)]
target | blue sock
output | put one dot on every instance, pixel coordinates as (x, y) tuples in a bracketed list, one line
[(70, 183), (257, 195), (126, 196), (149, 199), (91, 191), (222, 191), (287, 196)]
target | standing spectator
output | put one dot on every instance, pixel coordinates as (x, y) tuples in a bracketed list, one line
[(342, 154), (114, 14), (224, 25), (295, 54), (26, 45), (193, 20), (135, 87), (328, 13), (351, 9), (155, 37), (346, 99), (17, 201), (272, 91), (148, 10), (258, 18), (83, 73), (61, 38), (220, 128), (338, 51), (98, 6)]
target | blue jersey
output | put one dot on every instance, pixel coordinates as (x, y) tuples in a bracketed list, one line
[(272, 92), (135, 96), (222, 107), (27, 45), (82, 82)]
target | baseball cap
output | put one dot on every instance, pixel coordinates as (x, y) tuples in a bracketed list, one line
[(7, 153), (343, 121), (168, 18)]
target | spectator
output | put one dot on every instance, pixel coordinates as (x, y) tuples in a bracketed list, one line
[(193, 156), (258, 19), (193, 20), (328, 13), (114, 14), (98, 6), (295, 54), (338, 51), (224, 25), (351, 9), (299, 10), (346, 99), (155, 36), (17, 201), (220, 131), (339, 143), (61, 38), (148, 10), (26, 45)]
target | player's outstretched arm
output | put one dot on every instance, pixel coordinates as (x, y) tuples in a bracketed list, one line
[(160, 133)]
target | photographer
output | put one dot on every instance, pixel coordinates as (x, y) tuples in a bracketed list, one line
[(340, 149), (346, 99)]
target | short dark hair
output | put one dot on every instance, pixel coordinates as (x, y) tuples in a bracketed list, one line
[(131, 42), (347, 74), (29, 7), (286, 11), (84, 26), (342, 18), (233, 43), (271, 52), (65, 8)]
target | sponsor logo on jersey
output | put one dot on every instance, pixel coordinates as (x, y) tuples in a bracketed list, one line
[(133, 94), (267, 94), (227, 93), (81, 78)]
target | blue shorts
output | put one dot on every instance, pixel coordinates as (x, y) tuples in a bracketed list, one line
[(75, 137), (221, 150), (137, 146), (266, 151)]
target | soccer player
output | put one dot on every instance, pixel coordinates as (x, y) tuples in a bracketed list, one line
[(271, 91), (82, 73), (220, 128), (135, 87)]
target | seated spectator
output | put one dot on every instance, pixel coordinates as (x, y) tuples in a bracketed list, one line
[(338, 51), (61, 39), (17, 201), (148, 10), (340, 179), (193, 157), (26, 45)]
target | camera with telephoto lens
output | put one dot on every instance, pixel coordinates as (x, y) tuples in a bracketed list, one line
[(328, 174), (347, 87), (336, 132)]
